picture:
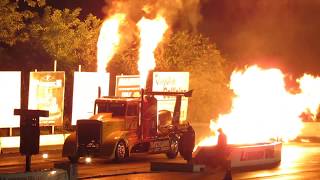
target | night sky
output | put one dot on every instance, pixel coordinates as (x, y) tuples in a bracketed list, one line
[(283, 33), (278, 33)]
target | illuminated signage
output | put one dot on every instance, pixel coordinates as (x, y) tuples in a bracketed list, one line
[(171, 82), (128, 86), (46, 92), (10, 98), (85, 91)]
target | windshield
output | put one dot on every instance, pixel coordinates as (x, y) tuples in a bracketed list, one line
[(116, 108)]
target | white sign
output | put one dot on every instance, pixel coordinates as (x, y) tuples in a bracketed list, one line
[(10, 98), (85, 92), (171, 82), (128, 86)]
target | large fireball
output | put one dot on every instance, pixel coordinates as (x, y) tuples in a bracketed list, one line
[(263, 109)]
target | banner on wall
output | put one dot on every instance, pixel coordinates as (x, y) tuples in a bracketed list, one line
[(127, 86), (46, 92), (10, 96), (85, 92), (171, 82)]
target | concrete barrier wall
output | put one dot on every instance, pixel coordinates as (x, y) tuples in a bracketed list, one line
[(243, 156)]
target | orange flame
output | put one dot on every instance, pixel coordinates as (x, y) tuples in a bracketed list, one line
[(310, 88), (151, 33), (263, 109), (109, 39)]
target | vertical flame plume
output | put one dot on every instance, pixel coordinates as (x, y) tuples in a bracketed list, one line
[(263, 109), (109, 39), (151, 33)]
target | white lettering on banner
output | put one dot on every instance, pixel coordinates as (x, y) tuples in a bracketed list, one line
[(257, 155), (53, 84)]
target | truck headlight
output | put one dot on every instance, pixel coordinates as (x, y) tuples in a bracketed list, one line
[(88, 160)]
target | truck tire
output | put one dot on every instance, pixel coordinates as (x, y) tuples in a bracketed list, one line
[(186, 144), (173, 149), (121, 152), (73, 159)]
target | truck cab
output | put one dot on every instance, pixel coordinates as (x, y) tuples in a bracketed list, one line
[(122, 126)]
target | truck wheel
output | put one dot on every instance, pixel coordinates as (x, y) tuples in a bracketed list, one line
[(173, 149), (74, 159), (121, 152)]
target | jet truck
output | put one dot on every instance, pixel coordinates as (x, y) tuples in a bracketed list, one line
[(122, 126)]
